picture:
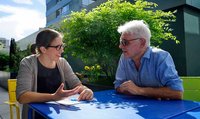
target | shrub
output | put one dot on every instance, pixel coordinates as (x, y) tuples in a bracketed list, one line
[(4, 59), (92, 36)]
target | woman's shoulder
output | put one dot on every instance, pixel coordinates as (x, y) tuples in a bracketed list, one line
[(62, 61), (30, 58)]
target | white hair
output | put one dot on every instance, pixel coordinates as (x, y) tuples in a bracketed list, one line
[(138, 28)]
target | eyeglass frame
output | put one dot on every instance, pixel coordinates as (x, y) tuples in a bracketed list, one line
[(57, 47), (127, 42)]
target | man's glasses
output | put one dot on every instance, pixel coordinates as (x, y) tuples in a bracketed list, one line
[(126, 42), (57, 47)]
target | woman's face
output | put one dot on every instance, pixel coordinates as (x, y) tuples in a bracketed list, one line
[(55, 49)]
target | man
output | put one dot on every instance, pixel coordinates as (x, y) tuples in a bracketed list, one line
[(144, 70)]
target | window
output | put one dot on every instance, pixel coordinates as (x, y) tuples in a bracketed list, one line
[(51, 4), (58, 1), (65, 9), (51, 17), (58, 12), (86, 2)]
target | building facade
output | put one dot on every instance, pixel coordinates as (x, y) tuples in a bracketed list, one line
[(187, 30), (24, 42), (56, 9)]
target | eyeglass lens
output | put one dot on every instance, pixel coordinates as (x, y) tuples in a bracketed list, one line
[(58, 47), (124, 42)]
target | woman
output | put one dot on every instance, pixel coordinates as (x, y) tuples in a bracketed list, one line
[(44, 76)]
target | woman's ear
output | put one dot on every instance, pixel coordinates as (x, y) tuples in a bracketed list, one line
[(43, 49)]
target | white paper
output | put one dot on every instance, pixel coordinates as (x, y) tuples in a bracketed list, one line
[(71, 100)]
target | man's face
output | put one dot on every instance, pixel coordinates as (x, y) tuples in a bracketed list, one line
[(131, 45)]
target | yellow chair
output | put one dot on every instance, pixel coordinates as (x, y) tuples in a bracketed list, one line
[(191, 88), (12, 98)]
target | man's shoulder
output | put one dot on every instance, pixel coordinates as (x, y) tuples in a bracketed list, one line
[(123, 58), (158, 51), (159, 54)]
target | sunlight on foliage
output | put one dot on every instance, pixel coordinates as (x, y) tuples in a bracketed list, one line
[(93, 37)]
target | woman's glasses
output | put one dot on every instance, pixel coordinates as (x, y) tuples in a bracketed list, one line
[(57, 47)]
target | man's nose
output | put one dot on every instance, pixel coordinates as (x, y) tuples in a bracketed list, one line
[(120, 46)]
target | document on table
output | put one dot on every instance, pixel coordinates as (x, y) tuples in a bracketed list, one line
[(71, 100)]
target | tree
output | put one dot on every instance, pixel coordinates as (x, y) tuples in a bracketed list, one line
[(13, 47), (92, 36), (16, 55), (4, 61), (1, 45)]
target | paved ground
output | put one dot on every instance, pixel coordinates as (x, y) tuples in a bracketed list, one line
[(4, 108)]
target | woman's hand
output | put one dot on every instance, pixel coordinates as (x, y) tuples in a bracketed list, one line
[(85, 94), (61, 93)]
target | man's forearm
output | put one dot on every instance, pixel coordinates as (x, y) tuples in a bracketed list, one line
[(163, 92)]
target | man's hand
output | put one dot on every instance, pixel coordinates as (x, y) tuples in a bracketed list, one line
[(129, 87)]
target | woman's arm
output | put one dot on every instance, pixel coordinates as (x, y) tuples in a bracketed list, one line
[(29, 96)]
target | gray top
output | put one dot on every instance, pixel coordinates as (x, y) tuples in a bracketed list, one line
[(27, 77)]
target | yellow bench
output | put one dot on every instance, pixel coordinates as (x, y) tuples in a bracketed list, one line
[(191, 88)]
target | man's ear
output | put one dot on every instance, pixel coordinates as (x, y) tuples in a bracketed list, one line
[(43, 49), (143, 42)]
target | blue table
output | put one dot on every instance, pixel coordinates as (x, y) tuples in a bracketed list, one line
[(110, 105), (192, 114)]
